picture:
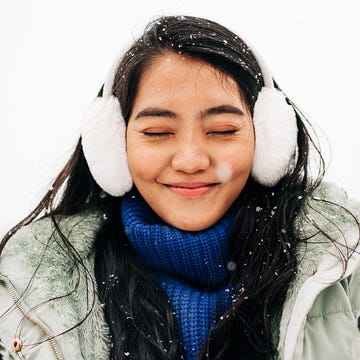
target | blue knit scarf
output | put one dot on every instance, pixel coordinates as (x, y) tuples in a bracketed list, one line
[(190, 266)]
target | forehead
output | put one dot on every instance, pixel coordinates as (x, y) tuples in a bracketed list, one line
[(172, 71), (171, 63)]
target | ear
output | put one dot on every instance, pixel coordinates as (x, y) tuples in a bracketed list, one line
[(275, 136), (104, 146)]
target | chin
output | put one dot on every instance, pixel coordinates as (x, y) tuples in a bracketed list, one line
[(190, 225)]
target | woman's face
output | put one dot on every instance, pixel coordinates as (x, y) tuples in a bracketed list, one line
[(190, 141)]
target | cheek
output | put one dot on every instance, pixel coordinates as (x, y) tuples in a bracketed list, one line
[(235, 164), (224, 172), (145, 163)]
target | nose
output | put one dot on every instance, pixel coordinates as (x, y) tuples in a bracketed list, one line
[(191, 157)]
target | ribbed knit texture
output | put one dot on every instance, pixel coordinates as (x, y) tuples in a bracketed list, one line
[(190, 266)]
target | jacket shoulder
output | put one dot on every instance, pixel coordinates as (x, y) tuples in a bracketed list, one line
[(329, 218), (333, 193), (331, 206), (38, 248), (42, 236)]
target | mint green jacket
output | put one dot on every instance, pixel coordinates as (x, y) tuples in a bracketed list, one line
[(320, 317)]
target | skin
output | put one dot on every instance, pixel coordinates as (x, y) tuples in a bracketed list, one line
[(188, 122)]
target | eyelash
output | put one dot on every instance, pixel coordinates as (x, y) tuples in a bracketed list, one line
[(165, 134), (157, 134), (223, 133)]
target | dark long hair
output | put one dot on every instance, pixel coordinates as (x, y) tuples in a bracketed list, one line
[(263, 241)]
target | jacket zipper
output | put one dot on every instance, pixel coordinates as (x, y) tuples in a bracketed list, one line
[(34, 321)]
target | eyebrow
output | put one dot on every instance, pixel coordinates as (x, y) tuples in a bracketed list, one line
[(155, 112), (216, 110), (222, 109)]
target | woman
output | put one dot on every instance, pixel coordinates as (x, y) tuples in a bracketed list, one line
[(200, 237)]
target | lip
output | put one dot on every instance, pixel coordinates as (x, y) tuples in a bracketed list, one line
[(192, 190)]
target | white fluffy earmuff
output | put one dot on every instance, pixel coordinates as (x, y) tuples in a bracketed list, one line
[(104, 137), (275, 132)]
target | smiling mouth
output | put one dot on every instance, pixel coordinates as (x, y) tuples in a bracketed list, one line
[(193, 190)]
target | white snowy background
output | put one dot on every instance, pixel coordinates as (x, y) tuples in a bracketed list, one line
[(55, 55)]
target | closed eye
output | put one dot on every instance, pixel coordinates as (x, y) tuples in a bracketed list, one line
[(157, 134), (223, 132)]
